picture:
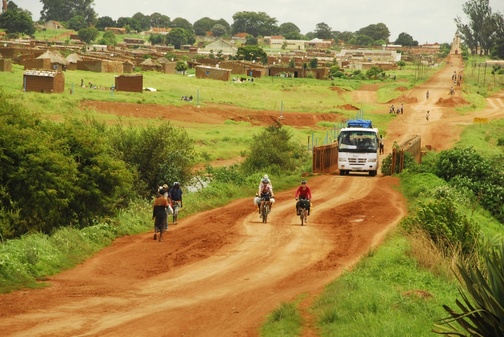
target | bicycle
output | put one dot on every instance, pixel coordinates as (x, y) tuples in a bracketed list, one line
[(175, 206), (303, 210), (265, 210)]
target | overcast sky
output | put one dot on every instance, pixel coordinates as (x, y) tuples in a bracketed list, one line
[(427, 21)]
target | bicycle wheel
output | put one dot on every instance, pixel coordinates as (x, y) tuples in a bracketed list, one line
[(301, 216), (265, 213)]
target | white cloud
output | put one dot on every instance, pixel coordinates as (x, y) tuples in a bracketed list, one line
[(426, 21)]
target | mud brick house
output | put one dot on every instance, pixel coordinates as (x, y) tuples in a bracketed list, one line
[(128, 67), (50, 60), (131, 83), (150, 65), (5, 64), (213, 73), (45, 81)]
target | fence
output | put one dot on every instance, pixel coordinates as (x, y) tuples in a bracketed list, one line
[(325, 158), (413, 146)]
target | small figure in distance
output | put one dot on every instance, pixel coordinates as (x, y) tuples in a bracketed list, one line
[(382, 147)]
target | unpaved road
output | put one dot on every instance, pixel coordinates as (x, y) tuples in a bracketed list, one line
[(220, 272)]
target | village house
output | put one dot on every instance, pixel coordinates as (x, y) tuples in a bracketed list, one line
[(51, 25), (219, 46)]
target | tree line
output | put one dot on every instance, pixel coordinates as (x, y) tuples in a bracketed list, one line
[(483, 31)]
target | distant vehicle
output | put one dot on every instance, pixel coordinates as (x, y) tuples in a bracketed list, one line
[(358, 147)]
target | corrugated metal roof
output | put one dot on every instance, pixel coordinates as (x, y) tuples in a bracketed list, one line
[(45, 73)]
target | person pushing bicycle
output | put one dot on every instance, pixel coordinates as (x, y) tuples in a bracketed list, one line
[(303, 195)]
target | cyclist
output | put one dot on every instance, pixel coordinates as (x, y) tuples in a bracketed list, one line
[(303, 193), (265, 192), (175, 196), (257, 199)]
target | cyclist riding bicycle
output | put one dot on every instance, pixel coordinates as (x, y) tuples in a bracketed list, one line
[(265, 193), (303, 193)]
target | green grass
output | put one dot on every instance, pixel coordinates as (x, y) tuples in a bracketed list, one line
[(380, 297), (484, 137), (285, 321)]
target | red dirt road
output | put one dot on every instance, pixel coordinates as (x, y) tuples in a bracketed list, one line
[(220, 272)]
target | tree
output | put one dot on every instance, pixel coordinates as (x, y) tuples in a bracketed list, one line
[(401, 64), (219, 30), (179, 36), (314, 63), (76, 23), (251, 41), (182, 23), (181, 66), (144, 21), (156, 39), (129, 23), (345, 36), (203, 25), (64, 10), (159, 20), (254, 23), (88, 35), (405, 39), (376, 32), (483, 28), (374, 72), (323, 31), (104, 22), (251, 53), (284, 157), (160, 153), (290, 31), (362, 40), (108, 39), (17, 21), (498, 49)]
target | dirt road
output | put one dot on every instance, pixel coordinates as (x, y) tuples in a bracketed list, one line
[(219, 273)]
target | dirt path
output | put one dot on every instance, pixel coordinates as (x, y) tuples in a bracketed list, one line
[(219, 273)]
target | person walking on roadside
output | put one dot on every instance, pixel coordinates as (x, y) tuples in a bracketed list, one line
[(382, 147), (427, 94), (159, 214), (427, 115), (175, 196)]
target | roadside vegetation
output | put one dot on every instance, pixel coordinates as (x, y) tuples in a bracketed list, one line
[(423, 278)]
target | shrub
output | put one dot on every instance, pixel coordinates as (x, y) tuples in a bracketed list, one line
[(480, 313), (465, 168), (441, 220), (273, 150)]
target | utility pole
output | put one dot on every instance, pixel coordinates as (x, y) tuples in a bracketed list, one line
[(4, 5)]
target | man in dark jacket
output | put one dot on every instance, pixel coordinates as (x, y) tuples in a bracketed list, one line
[(175, 196)]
